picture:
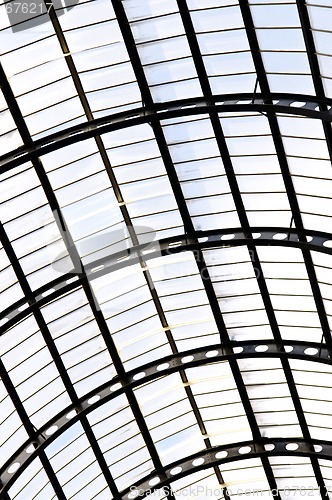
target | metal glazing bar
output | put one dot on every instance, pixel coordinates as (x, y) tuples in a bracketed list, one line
[(306, 351), (169, 167), (98, 315), (263, 236), (279, 146), (296, 216), (236, 194), (182, 205), (274, 103), (240, 451), (42, 325), (314, 66)]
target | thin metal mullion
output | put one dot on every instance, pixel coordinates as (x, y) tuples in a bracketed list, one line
[(14, 109), (314, 66), (137, 412), (108, 167), (99, 317), (276, 135), (5, 376), (169, 166), (229, 170), (148, 101), (309, 265), (129, 393), (285, 172), (146, 96), (90, 296), (249, 26), (38, 316), (27, 424), (57, 359), (184, 12), (47, 336), (290, 191), (171, 109)]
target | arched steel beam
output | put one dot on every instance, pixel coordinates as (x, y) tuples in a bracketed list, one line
[(216, 238), (295, 104), (173, 363), (219, 455)]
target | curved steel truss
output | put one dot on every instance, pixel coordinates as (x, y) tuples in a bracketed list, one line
[(232, 237), (172, 364), (238, 451), (292, 104)]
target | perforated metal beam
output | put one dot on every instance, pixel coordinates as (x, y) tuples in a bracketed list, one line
[(173, 363), (263, 236), (240, 451), (295, 104)]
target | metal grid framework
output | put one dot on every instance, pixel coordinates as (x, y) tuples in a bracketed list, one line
[(166, 254)]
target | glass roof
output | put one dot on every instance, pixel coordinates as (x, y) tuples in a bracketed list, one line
[(165, 249)]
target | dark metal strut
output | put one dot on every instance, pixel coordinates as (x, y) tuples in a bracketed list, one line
[(137, 377)]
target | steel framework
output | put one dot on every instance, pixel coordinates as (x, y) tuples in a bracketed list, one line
[(190, 240)]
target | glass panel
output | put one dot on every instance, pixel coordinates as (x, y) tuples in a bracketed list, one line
[(32, 483), (285, 275), (152, 181), (87, 360), (274, 15), (163, 27), (74, 462), (313, 385), (217, 397), (234, 279), (294, 478), (217, 19), (201, 484), (34, 54), (275, 415), (121, 442), (12, 432), (245, 477), (172, 440), (136, 10)]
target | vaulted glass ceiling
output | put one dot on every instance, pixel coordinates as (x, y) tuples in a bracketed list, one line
[(166, 251)]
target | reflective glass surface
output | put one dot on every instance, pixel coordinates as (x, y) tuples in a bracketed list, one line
[(165, 249)]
